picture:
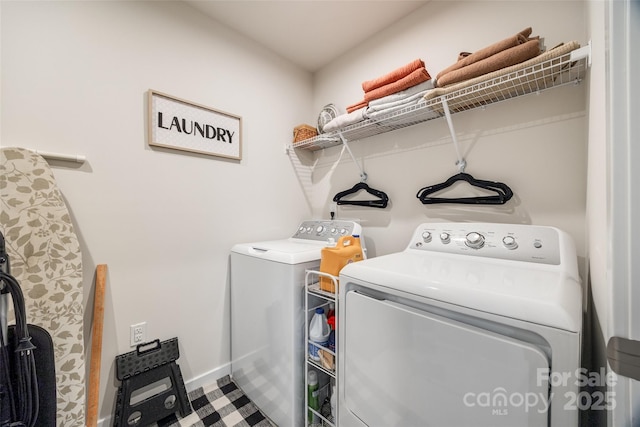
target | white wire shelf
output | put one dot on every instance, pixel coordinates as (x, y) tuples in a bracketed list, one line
[(315, 289), (567, 69)]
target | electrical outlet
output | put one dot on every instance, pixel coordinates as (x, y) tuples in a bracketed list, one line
[(138, 333)]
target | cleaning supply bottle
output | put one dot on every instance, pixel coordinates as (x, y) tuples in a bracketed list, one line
[(318, 333), (312, 396), (331, 320), (332, 259), (332, 310)]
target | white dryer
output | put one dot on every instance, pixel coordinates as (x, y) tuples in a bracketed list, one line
[(472, 325), (267, 316)]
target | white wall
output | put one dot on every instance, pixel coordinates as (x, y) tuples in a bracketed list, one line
[(597, 204), (535, 144), (74, 80), (598, 162)]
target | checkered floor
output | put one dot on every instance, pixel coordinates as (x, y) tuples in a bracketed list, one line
[(219, 405)]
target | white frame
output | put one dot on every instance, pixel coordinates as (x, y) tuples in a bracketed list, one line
[(623, 201), (212, 132)]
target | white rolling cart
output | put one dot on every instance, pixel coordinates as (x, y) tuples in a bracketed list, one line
[(316, 297)]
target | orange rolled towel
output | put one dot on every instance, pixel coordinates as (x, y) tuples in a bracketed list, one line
[(416, 77), (393, 76), (506, 58), (465, 58), (357, 106)]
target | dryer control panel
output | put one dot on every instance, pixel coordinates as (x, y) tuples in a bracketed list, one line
[(327, 230), (517, 242)]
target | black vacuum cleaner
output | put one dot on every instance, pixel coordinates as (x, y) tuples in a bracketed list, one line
[(27, 370)]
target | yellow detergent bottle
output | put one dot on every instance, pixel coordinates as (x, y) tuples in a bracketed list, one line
[(347, 250)]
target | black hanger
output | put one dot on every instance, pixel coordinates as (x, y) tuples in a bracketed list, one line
[(502, 191), (381, 202)]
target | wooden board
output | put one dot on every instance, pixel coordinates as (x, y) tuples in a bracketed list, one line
[(96, 346)]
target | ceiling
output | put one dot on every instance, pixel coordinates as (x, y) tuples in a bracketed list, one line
[(309, 33)]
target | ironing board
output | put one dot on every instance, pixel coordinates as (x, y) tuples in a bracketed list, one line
[(46, 260)]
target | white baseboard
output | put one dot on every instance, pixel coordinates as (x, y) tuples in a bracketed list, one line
[(208, 377), (192, 384)]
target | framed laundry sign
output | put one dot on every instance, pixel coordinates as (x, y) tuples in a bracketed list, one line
[(183, 125)]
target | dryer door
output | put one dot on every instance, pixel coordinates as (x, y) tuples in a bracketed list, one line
[(407, 367)]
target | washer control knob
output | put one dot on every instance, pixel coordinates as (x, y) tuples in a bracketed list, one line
[(319, 229), (475, 240), (445, 238), (308, 230), (509, 242), (334, 230), (426, 236), (343, 231)]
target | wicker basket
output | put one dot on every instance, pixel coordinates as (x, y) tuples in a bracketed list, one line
[(302, 132)]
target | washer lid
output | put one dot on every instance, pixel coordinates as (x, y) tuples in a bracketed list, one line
[(524, 291), (288, 251)]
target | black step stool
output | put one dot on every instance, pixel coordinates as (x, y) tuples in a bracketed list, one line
[(142, 371)]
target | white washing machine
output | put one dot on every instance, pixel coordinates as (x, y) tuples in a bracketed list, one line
[(267, 316), (472, 325)]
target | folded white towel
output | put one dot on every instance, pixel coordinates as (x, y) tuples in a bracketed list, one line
[(403, 95), (381, 106), (414, 99), (344, 120), (376, 115)]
